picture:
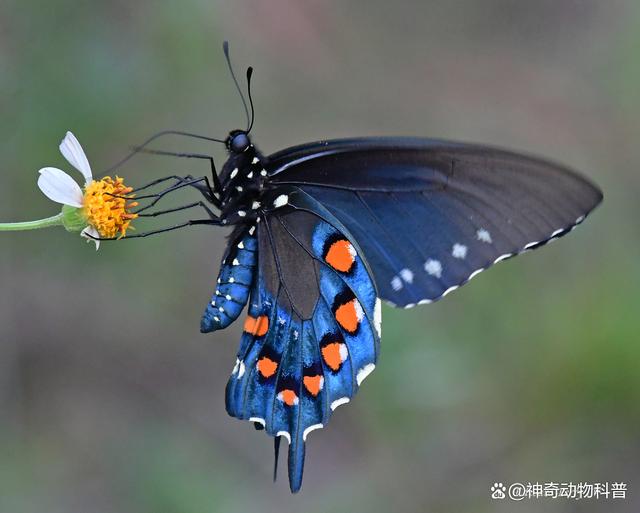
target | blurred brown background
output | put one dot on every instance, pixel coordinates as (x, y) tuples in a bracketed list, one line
[(110, 398)]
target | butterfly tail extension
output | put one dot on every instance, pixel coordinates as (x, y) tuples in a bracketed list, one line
[(296, 464)]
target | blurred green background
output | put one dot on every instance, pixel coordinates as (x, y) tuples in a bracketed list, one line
[(110, 398)]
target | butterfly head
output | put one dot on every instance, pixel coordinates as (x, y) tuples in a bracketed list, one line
[(238, 141)]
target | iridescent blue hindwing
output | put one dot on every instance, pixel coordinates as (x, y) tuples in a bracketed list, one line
[(313, 329)]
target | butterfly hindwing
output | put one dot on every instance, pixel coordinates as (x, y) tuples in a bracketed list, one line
[(431, 214), (320, 333)]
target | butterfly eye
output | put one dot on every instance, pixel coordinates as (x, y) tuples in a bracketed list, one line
[(239, 143)]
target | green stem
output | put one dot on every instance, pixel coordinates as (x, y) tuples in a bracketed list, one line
[(32, 225)]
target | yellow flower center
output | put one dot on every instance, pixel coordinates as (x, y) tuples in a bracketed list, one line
[(107, 206)]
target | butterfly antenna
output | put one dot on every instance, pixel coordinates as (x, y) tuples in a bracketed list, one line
[(253, 112), (139, 147), (225, 49)]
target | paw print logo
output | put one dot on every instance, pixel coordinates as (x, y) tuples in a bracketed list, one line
[(497, 491)]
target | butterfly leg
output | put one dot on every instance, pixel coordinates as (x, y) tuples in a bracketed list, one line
[(202, 184), (191, 222), (181, 208), (217, 187), (177, 178)]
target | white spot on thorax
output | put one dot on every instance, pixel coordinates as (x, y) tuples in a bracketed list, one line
[(250, 175), (263, 172), (239, 188), (459, 251), (234, 173), (407, 275), (281, 201), (255, 160), (252, 230), (242, 213), (433, 267), (484, 236), (255, 205)]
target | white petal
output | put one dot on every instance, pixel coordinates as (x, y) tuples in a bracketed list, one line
[(73, 152), (90, 230), (58, 186)]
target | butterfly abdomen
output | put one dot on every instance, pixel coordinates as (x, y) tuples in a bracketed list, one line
[(234, 282)]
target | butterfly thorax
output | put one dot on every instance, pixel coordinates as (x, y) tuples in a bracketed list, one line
[(243, 179)]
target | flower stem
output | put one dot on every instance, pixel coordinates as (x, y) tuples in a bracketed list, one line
[(32, 225)]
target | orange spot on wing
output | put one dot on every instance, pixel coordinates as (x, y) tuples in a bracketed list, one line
[(267, 367), (341, 256), (348, 315), (257, 326), (288, 397), (313, 384), (331, 353)]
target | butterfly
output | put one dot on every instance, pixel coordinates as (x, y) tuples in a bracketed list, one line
[(326, 231)]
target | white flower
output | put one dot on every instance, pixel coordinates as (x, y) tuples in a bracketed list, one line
[(102, 209), (58, 186)]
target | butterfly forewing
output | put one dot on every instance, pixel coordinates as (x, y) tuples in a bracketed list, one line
[(429, 215)]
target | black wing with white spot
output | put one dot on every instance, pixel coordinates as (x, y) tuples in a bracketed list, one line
[(429, 215)]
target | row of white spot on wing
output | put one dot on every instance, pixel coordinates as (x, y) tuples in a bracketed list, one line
[(405, 275), (339, 402), (459, 251), (309, 429), (281, 398), (364, 372), (238, 368), (281, 201), (259, 420), (377, 317), (434, 267), (285, 434)]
